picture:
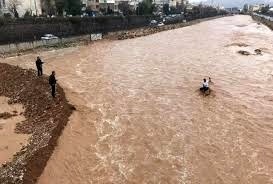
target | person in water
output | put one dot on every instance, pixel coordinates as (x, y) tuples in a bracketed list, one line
[(205, 86)]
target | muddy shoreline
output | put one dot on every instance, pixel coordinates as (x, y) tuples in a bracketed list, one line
[(45, 120)]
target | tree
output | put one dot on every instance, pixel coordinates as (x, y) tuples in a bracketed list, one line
[(166, 9), (48, 7), (60, 6), (265, 9), (124, 7), (109, 10), (27, 14), (13, 7), (146, 7), (173, 10), (73, 7)]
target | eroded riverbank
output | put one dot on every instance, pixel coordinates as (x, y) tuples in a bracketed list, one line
[(140, 118), (30, 132)]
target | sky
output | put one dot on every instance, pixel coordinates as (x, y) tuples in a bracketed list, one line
[(234, 3)]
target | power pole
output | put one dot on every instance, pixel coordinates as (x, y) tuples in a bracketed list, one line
[(35, 4)]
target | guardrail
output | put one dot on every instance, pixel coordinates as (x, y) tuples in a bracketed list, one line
[(263, 16), (14, 47)]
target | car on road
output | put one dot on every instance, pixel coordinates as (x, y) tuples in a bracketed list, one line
[(160, 24), (49, 37), (153, 22)]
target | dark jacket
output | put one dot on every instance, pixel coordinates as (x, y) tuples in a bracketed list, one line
[(52, 80), (39, 63)]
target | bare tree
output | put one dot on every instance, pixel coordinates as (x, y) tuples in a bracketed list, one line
[(13, 7)]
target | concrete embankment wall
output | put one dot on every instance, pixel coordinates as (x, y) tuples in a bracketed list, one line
[(124, 34), (264, 19), (32, 29), (17, 47)]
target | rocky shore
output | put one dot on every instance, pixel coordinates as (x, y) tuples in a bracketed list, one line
[(45, 120)]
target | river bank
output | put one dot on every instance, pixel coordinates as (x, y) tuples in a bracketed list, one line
[(27, 48), (266, 20), (44, 120)]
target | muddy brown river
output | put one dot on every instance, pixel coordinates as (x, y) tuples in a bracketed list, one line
[(141, 119)]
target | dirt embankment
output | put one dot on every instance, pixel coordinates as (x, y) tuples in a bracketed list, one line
[(45, 120), (129, 34), (266, 20)]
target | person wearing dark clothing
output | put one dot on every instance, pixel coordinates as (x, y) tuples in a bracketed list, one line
[(52, 82), (39, 65)]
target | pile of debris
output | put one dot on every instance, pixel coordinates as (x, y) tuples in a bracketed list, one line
[(45, 120)]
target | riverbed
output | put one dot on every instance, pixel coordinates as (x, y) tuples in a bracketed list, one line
[(140, 116)]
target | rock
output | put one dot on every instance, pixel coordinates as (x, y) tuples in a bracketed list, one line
[(258, 51), (245, 53)]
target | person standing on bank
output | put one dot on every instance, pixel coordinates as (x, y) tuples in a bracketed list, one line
[(52, 82), (39, 65)]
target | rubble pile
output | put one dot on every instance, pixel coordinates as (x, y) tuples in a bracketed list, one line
[(45, 120)]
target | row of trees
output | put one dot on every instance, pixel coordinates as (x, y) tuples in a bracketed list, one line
[(146, 7), (71, 7), (12, 6)]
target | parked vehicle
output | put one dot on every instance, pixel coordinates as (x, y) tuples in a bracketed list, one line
[(153, 22), (160, 24), (49, 37)]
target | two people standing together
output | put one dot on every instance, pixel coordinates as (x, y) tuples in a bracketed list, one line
[(52, 79)]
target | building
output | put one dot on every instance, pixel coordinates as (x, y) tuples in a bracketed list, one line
[(107, 4), (33, 6), (254, 8), (233, 10), (117, 2), (3, 7), (161, 2)]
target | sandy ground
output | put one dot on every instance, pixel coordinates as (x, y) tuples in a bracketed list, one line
[(10, 142), (141, 119)]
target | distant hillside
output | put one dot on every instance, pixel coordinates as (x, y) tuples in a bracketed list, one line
[(237, 3)]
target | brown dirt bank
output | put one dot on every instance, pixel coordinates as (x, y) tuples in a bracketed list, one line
[(45, 120)]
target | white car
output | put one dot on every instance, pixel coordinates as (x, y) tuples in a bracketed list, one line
[(49, 37), (153, 22), (160, 24)]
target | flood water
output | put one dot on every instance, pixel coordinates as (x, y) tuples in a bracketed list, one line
[(141, 119)]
